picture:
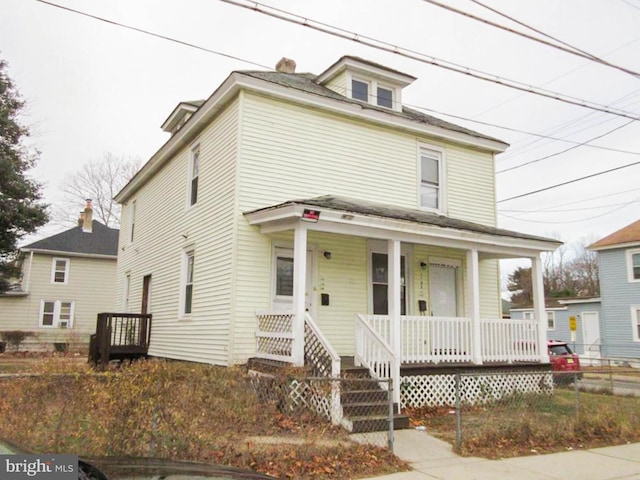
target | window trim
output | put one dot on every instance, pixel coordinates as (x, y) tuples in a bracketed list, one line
[(66, 270), (635, 322), (194, 154), (441, 177), (187, 254), (630, 254), (57, 308)]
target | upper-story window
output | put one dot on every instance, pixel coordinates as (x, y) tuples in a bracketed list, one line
[(60, 270), (633, 263), (132, 223), (372, 92), (431, 178), (194, 170)]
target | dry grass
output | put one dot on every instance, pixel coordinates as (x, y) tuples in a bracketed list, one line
[(174, 410)]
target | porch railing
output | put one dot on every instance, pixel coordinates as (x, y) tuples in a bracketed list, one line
[(119, 336), (509, 340), (374, 352), (274, 336)]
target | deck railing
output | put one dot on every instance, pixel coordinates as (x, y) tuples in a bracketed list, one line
[(509, 340), (274, 336), (120, 336)]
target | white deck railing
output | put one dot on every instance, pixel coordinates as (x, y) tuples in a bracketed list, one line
[(373, 352), (274, 337), (509, 340)]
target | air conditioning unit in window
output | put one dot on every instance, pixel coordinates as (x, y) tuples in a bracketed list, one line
[(63, 324)]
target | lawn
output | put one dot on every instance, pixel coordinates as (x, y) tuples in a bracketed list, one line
[(178, 411), (526, 424)]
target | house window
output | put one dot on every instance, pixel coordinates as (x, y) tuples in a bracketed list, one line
[(635, 322), (194, 170), (360, 90), (633, 262), (60, 270), (430, 178), (385, 97), (127, 289), (132, 215), (380, 284), (56, 313), (551, 321), (187, 289), (284, 276)]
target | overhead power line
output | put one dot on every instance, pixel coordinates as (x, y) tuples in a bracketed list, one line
[(572, 50), (569, 182), (422, 57)]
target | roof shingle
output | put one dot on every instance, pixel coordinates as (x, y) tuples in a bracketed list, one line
[(102, 241)]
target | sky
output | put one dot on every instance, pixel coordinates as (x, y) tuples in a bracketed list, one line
[(94, 87)]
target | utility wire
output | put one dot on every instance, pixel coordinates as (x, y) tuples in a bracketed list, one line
[(422, 57), (569, 182), (572, 50), (567, 149), (157, 35)]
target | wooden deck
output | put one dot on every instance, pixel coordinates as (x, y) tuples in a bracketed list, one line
[(119, 336)]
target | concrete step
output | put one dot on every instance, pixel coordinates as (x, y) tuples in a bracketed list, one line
[(378, 423)]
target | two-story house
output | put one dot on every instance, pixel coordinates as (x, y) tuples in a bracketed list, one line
[(66, 280), (619, 267), (307, 218)]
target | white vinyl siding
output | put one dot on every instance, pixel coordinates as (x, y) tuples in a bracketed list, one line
[(166, 230), (60, 270)]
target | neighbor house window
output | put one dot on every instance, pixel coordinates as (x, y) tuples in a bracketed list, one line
[(551, 321), (187, 288), (527, 316), (385, 97), (60, 270), (633, 261), (635, 322), (430, 178), (360, 90), (194, 170), (56, 313)]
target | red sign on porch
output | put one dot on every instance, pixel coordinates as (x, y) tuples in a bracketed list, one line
[(310, 215)]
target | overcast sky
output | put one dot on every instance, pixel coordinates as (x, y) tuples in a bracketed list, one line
[(94, 87)]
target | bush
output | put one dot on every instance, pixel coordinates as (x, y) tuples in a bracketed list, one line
[(15, 337)]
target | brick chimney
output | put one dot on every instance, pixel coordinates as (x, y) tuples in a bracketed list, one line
[(87, 218), (286, 65)]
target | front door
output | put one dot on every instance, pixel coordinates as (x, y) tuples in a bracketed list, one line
[(283, 280), (443, 290), (591, 333)]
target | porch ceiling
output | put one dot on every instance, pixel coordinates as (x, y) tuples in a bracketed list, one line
[(361, 218)]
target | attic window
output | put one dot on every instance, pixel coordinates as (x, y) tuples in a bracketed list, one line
[(370, 91), (360, 90), (385, 97)]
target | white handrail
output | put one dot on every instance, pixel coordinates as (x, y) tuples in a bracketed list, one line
[(374, 353)]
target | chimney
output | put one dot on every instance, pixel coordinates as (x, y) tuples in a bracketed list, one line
[(81, 219), (286, 65), (87, 218)]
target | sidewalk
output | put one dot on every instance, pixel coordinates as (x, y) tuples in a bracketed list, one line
[(431, 458)]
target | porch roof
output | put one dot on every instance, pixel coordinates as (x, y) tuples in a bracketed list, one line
[(363, 218)]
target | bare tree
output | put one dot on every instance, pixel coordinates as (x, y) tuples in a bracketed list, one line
[(100, 180)]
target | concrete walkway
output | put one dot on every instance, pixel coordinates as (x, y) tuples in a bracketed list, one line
[(431, 459)]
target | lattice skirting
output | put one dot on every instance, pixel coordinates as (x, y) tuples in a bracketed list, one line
[(440, 390)]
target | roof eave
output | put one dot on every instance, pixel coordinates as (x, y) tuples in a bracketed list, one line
[(69, 254)]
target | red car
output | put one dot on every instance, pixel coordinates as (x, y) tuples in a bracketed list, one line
[(564, 361)]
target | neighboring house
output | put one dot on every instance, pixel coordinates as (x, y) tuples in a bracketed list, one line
[(586, 340), (66, 280), (303, 218), (619, 267)]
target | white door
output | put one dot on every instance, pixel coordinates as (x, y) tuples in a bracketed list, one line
[(443, 291), (591, 333), (283, 280)]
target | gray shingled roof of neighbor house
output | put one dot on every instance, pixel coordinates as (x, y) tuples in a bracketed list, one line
[(406, 214), (101, 241)]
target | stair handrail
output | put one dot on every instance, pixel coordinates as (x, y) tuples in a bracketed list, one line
[(312, 330), (385, 364)]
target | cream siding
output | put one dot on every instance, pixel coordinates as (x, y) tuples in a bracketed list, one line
[(91, 286), (166, 227), (339, 84)]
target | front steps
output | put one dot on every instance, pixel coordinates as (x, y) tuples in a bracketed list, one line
[(365, 405)]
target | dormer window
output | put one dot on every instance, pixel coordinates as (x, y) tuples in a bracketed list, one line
[(371, 91), (385, 97), (360, 90)]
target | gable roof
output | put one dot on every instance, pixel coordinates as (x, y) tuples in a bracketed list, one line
[(626, 236), (103, 241)]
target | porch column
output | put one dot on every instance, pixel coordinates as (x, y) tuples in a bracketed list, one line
[(473, 294), (299, 288), (394, 300), (539, 306)]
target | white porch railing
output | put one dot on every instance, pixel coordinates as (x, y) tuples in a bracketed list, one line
[(449, 339), (373, 352), (509, 340), (274, 337)]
